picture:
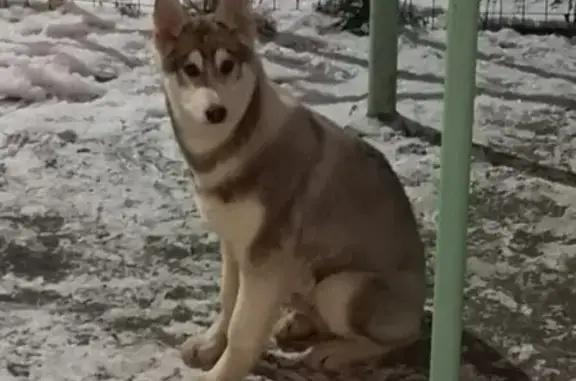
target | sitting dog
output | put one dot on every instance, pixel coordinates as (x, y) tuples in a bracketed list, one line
[(310, 217)]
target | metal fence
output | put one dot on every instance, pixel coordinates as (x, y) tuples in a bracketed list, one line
[(530, 16), (536, 17), (525, 11)]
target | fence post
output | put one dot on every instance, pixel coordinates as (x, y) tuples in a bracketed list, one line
[(459, 93), (383, 63)]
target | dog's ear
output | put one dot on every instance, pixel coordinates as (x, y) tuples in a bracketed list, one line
[(169, 19), (238, 16)]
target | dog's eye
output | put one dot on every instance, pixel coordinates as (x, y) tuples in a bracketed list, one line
[(191, 70), (226, 67)]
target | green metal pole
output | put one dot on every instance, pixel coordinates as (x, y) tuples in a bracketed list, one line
[(459, 93), (383, 63)]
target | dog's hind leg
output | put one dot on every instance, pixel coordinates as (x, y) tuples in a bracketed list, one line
[(366, 317), (294, 326), (299, 329)]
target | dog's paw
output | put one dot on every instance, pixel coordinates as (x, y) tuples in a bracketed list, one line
[(295, 331), (203, 376), (329, 356), (338, 354), (203, 351)]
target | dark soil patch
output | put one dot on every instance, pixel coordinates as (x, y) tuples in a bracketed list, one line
[(42, 255), (31, 296), (41, 258)]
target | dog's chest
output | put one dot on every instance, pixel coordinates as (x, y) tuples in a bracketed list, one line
[(236, 222)]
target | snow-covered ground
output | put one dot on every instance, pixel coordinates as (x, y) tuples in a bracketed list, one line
[(104, 265)]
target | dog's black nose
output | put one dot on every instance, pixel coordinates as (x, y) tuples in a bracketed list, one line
[(216, 114)]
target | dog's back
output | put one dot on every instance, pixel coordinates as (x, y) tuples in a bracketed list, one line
[(335, 199), (335, 205), (356, 207)]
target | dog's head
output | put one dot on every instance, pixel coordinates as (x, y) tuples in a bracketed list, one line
[(209, 57)]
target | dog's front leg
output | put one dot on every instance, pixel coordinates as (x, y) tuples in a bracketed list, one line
[(261, 293), (203, 351)]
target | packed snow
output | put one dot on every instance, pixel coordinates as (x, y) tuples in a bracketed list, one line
[(105, 265)]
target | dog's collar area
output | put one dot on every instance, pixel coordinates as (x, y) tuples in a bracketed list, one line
[(251, 115)]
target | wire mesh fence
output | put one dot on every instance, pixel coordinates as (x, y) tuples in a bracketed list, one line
[(541, 17), (132, 8), (527, 15), (537, 16), (525, 11)]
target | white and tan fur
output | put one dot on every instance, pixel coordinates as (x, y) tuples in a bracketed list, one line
[(310, 217)]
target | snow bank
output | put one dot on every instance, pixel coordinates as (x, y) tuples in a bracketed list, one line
[(59, 55)]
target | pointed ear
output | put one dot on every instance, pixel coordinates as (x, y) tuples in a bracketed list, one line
[(169, 19), (238, 16)]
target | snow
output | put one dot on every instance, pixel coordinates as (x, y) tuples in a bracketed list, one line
[(104, 263)]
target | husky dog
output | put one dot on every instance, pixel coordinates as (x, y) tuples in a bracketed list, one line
[(310, 217)]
